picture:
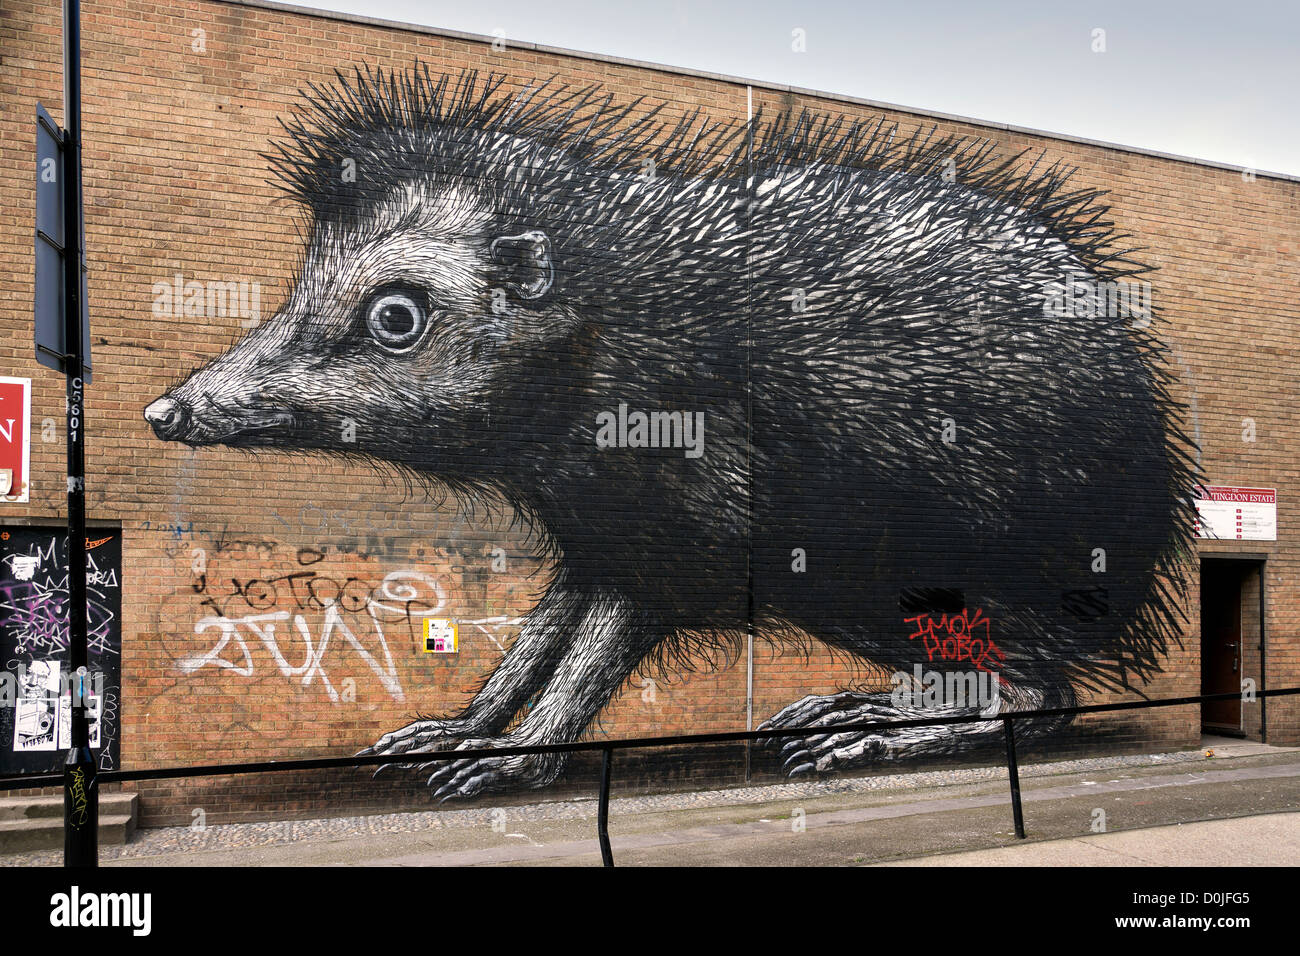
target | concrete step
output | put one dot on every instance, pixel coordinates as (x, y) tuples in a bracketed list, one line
[(36, 823), (23, 808), (46, 833)]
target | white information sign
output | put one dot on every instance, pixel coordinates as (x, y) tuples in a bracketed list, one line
[(1236, 514)]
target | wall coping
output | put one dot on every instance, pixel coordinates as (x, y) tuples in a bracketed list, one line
[(739, 80)]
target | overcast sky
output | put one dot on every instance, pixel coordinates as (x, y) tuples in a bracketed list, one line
[(1213, 80)]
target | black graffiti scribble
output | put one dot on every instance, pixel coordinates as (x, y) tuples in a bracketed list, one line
[(304, 590), (1087, 604), (931, 600)]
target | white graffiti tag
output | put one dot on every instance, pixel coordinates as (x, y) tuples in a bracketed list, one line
[(392, 601)]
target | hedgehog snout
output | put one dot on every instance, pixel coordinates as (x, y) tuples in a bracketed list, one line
[(169, 417)]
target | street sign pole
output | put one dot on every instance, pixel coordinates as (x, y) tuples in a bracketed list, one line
[(80, 790)]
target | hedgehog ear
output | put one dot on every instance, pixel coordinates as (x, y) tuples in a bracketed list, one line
[(526, 261)]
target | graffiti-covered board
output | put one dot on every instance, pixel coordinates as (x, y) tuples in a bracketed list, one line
[(36, 721)]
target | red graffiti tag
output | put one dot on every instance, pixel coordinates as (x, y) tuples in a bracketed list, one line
[(950, 638)]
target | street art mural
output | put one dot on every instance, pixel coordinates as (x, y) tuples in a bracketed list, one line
[(36, 719), (806, 376)]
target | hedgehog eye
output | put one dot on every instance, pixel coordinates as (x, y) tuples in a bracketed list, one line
[(396, 322)]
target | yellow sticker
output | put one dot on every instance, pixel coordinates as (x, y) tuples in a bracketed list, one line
[(439, 635)]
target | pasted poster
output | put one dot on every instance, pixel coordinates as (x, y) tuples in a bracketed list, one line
[(37, 688)]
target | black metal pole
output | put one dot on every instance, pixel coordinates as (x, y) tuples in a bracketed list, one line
[(80, 790), (602, 819), (1013, 771)]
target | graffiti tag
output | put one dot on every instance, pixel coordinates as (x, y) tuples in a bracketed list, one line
[(80, 802), (401, 596), (951, 638)]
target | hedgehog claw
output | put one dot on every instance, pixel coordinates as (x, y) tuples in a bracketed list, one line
[(390, 766), (792, 746), (797, 759)]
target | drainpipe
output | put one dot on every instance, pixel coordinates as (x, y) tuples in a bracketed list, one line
[(1263, 658), (749, 424)]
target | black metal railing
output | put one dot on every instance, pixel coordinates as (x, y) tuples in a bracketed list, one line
[(607, 748)]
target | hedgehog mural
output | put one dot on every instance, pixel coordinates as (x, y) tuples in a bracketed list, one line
[(804, 375)]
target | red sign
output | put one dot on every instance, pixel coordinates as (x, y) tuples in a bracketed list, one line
[(1256, 496), (15, 437)]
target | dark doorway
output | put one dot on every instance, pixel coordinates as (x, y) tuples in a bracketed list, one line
[(1221, 642)]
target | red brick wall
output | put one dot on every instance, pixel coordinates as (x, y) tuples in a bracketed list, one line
[(175, 185)]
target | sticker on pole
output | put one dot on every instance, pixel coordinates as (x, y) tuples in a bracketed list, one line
[(439, 635), (1226, 512)]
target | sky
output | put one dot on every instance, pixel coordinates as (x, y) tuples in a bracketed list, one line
[(1216, 81)]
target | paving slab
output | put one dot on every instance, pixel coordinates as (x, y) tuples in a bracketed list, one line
[(1266, 840)]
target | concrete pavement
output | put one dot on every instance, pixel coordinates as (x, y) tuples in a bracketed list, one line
[(1266, 840), (874, 827), (1146, 807)]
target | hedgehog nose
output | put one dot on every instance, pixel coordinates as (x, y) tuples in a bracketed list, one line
[(169, 418)]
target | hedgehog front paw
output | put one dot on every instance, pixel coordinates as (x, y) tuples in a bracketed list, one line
[(476, 775), (421, 736)]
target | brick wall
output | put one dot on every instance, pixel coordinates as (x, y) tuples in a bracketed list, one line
[(180, 100)]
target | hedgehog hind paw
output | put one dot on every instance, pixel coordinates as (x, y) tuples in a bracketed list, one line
[(847, 749), (813, 711)]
